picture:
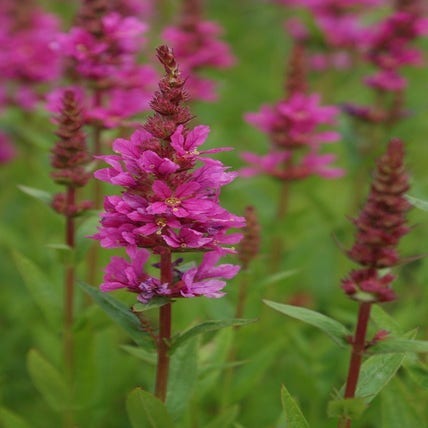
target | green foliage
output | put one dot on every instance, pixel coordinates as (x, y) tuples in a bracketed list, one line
[(293, 416), (120, 314), (225, 419), (147, 411), (41, 289), (206, 327), (351, 408), (48, 380), (418, 203), (38, 194), (399, 345), (183, 374), (375, 374), (337, 331), (9, 419), (398, 411)]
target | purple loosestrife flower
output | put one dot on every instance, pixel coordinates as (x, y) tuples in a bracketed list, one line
[(27, 57), (380, 226), (102, 50), (340, 25), (389, 50), (292, 127), (197, 46), (170, 199)]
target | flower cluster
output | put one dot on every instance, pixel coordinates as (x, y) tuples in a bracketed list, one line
[(390, 47), (70, 156), (389, 50), (102, 50), (197, 46), (380, 226), (292, 126), (27, 56), (168, 202), (340, 24)]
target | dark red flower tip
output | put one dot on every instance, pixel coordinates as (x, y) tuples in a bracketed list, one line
[(70, 155), (382, 222)]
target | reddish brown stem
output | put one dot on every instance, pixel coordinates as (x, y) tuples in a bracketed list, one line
[(69, 302), (164, 329), (358, 347), (242, 294)]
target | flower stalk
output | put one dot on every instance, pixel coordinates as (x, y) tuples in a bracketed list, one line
[(69, 157), (380, 226)]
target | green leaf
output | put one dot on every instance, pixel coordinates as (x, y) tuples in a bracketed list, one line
[(206, 327), (337, 331), (155, 302), (276, 277), (384, 321), (9, 419), (418, 373), (121, 315), (418, 203), (142, 354), (183, 373), (87, 227), (375, 374), (397, 344), (351, 408), (39, 194), (45, 295), (147, 411), (293, 416), (64, 252), (225, 419), (250, 375), (397, 409), (48, 381)]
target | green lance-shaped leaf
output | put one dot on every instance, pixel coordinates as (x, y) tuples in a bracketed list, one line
[(337, 331), (155, 302), (141, 353), (182, 377), (384, 321), (10, 419), (399, 345), (418, 373), (375, 374), (121, 315), (206, 327), (147, 411), (48, 381), (293, 416), (38, 194), (397, 408), (418, 203), (225, 419), (45, 295)]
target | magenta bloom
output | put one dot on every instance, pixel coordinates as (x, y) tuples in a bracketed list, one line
[(169, 200), (28, 56), (197, 46), (105, 58), (7, 150), (292, 126)]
